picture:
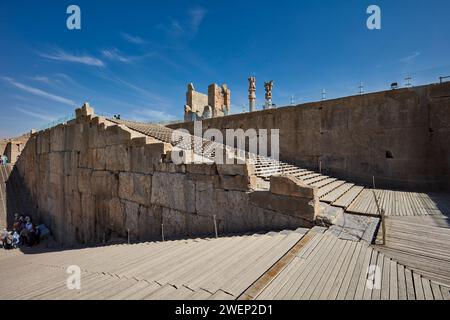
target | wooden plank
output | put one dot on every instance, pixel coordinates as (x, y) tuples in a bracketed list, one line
[(410, 285), (322, 280), (437, 294), (402, 293), (345, 200), (341, 274), (393, 288), (427, 289), (324, 190), (350, 272), (418, 286), (386, 278), (362, 281), (367, 295), (310, 268), (309, 285), (337, 193)]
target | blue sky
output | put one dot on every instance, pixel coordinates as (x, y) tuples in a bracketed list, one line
[(136, 57)]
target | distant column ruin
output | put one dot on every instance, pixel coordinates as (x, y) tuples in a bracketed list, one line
[(268, 86), (251, 93)]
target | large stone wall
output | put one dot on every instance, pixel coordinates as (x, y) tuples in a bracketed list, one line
[(401, 137), (93, 181)]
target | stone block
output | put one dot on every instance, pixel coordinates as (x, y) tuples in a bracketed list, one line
[(117, 158), (239, 183), (84, 180), (202, 168), (138, 161), (104, 184), (291, 186), (299, 207), (174, 223), (57, 137), (117, 216), (119, 134), (56, 162), (328, 215), (150, 220), (236, 169), (70, 163), (132, 219), (173, 190), (170, 167), (135, 187)]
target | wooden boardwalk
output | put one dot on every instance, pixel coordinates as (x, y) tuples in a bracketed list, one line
[(328, 268), (184, 269), (421, 243), (305, 264)]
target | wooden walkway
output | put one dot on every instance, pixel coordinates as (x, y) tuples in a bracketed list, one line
[(421, 243), (327, 268), (184, 269)]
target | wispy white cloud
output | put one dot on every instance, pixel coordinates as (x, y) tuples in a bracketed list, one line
[(39, 92), (60, 55), (188, 28), (114, 54), (37, 115), (133, 39), (410, 57), (196, 17), (40, 78)]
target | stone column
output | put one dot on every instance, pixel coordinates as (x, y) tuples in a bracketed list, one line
[(251, 93), (268, 86)]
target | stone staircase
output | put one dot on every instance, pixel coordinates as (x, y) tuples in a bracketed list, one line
[(337, 193)]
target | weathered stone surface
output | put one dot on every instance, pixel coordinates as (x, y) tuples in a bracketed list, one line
[(135, 187), (174, 223), (99, 159), (173, 191), (328, 215), (57, 135), (240, 183), (132, 219), (291, 186), (84, 180), (104, 184), (236, 169), (56, 162), (150, 220), (117, 158), (201, 168), (295, 206), (138, 160), (117, 215)]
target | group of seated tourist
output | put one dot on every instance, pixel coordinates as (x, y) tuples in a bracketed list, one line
[(24, 233), (3, 160)]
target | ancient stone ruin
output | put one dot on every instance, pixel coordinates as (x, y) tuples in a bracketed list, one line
[(199, 106)]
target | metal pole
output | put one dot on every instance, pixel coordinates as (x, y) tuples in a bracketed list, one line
[(128, 235), (162, 232), (215, 225), (320, 166), (373, 181), (383, 225)]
